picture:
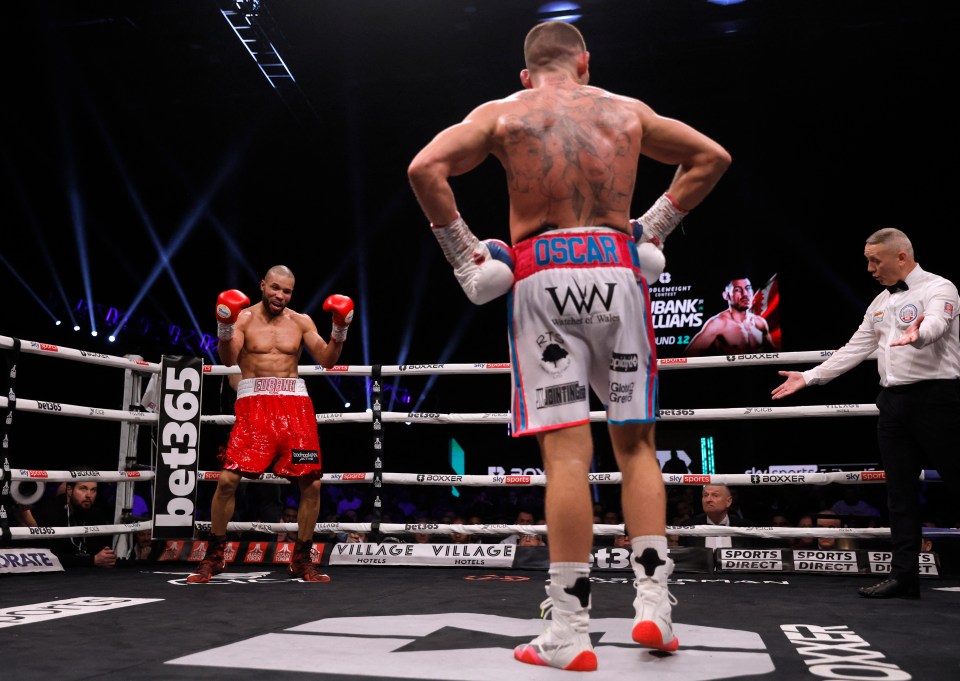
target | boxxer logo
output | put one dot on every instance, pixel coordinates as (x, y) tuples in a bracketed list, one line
[(581, 299)]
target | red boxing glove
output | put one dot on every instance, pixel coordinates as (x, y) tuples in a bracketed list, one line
[(342, 309), (229, 304)]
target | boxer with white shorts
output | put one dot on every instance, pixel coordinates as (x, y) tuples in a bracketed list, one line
[(578, 320), (578, 317)]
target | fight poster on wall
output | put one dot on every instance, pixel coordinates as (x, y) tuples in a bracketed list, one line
[(178, 440), (712, 315)]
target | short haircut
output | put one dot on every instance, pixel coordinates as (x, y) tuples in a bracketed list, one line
[(550, 42), (891, 236)]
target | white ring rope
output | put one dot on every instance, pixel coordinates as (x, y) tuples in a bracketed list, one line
[(446, 479), (487, 529), (50, 349), (97, 413), (541, 530), (79, 530), (38, 475)]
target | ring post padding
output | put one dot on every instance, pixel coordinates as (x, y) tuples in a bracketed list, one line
[(376, 385), (6, 502)]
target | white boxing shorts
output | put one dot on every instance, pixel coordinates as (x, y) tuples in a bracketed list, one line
[(579, 319)]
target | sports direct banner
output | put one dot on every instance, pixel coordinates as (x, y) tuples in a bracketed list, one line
[(175, 484)]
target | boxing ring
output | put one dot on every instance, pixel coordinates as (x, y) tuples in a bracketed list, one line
[(463, 618)]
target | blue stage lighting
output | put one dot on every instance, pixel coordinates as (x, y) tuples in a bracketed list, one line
[(560, 11)]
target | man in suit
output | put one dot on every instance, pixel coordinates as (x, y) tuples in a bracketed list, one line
[(716, 501)]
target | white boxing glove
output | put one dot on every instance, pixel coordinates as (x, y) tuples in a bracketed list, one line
[(651, 230), (484, 269), (652, 261)]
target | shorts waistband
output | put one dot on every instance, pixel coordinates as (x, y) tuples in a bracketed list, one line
[(271, 386), (578, 247)]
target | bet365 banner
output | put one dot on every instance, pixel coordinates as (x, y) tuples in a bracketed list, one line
[(178, 441)]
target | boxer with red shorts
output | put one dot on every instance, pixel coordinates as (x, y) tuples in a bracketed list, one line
[(275, 428)]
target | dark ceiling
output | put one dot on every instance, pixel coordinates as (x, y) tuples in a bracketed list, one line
[(149, 123)]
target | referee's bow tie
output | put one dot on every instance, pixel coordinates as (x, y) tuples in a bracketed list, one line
[(899, 286)]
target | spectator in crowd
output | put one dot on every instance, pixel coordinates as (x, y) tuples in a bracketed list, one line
[(77, 507), (427, 537), (926, 544), (530, 540), (462, 537), (806, 521), (289, 516), (524, 517), (612, 518), (717, 501), (356, 537), (778, 519), (829, 518), (852, 504)]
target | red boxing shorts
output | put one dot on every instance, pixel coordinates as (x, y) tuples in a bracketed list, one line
[(275, 429), (579, 319)]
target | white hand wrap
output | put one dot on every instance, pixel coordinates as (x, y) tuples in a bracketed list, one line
[(662, 218), (339, 333), (224, 331), (481, 276)]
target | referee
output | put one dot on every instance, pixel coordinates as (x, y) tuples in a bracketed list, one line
[(912, 327)]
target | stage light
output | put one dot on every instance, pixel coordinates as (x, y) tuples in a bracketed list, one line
[(76, 327), (93, 333), (560, 11), (166, 252), (346, 405), (111, 338), (16, 274), (57, 322)]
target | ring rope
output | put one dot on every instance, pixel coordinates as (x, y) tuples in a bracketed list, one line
[(488, 529), (79, 530), (102, 414), (599, 529), (33, 347), (446, 479)]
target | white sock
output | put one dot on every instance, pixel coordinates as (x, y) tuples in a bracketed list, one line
[(655, 541), (566, 574)]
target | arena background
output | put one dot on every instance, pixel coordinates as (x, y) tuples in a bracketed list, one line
[(140, 126)]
